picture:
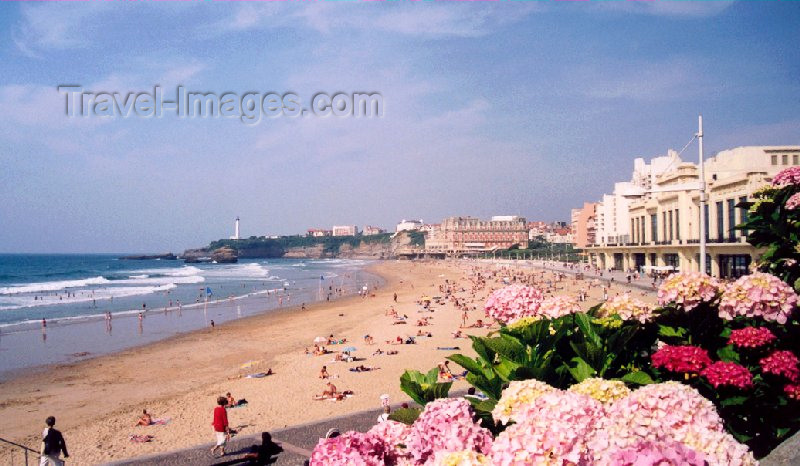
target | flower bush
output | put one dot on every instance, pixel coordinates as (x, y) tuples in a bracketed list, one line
[(519, 393), (751, 337), (393, 435), (510, 303), (648, 453), (787, 177), (446, 425), (781, 363), (602, 390), (728, 373), (688, 289), (460, 458), (559, 306), (758, 295), (627, 308), (352, 448), (683, 359), (793, 203)]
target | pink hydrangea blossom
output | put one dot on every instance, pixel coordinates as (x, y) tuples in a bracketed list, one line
[(787, 176), (648, 453), (626, 308), (351, 448), (553, 429), (688, 289), (793, 203), (446, 425), (393, 434), (728, 373), (513, 302), (758, 295), (690, 359), (782, 363), (792, 390), (559, 306), (751, 337)]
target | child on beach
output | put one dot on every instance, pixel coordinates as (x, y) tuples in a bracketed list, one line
[(220, 423)]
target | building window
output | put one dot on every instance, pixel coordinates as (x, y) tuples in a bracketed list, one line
[(743, 213), (733, 265), (664, 223), (774, 160), (654, 227), (795, 159), (720, 222), (732, 219), (677, 225), (672, 260), (707, 222), (671, 226), (785, 159)]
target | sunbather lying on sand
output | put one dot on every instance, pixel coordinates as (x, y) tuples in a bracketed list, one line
[(362, 368)]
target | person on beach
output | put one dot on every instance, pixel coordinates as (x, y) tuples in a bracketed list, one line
[(53, 445), (385, 415), (323, 373), (145, 419), (221, 429)]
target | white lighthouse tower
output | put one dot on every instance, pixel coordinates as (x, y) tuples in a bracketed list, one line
[(236, 229)]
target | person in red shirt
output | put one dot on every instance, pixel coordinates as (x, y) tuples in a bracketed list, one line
[(221, 429)]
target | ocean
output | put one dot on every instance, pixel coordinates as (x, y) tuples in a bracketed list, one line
[(75, 292)]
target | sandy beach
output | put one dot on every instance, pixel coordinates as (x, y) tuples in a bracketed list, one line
[(96, 402)]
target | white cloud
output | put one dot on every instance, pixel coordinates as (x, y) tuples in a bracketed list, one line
[(56, 26)]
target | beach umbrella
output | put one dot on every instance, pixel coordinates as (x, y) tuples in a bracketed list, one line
[(320, 340), (349, 349)]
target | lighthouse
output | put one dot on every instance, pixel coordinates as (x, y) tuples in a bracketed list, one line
[(235, 229)]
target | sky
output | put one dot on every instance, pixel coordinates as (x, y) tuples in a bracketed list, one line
[(489, 108)]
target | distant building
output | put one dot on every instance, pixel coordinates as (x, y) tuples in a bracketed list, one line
[(584, 228), (317, 233), (370, 230), (345, 230), (463, 234), (409, 225)]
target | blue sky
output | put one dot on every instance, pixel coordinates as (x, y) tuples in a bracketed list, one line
[(524, 108)]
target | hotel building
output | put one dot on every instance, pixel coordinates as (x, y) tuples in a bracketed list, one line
[(345, 230), (464, 234), (652, 222)]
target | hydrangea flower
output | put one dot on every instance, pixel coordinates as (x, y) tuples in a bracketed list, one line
[(559, 306), (648, 453), (459, 458), (758, 295), (688, 359), (393, 434), (793, 203), (787, 176), (728, 373), (602, 390), (719, 447), (751, 337), (626, 308), (792, 390), (688, 289), (351, 448), (519, 393), (553, 429), (513, 302), (667, 411), (446, 425), (781, 363)]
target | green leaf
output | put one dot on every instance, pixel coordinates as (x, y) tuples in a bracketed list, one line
[(584, 323), (637, 378), (405, 415), (727, 353), (467, 363), (734, 401), (671, 332), (581, 370), (507, 347)]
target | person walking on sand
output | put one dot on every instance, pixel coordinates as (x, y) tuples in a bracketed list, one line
[(52, 445), (220, 423)]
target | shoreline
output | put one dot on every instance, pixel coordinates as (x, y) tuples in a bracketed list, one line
[(96, 401)]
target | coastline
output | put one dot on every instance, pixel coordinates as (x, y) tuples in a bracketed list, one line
[(97, 401)]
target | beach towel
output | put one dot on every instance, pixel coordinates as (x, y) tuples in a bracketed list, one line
[(257, 375), (160, 421), (140, 438), (448, 348)]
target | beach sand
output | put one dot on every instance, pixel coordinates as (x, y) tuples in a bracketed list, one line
[(96, 402)]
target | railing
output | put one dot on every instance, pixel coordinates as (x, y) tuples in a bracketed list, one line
[(27, 452)]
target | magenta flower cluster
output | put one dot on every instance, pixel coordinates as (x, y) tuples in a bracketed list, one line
[(511, 303), (688, 359), (446, 425), (787, 176), (793, 203), (728, 373), (751, 337), (781, 363), (688, 289), (758, 295), (393, 434)]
